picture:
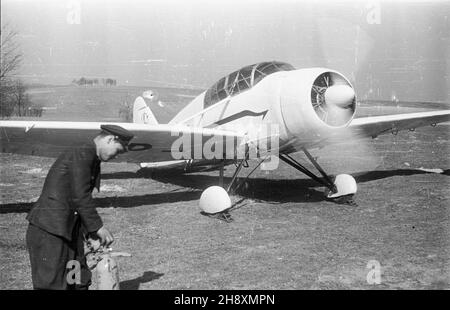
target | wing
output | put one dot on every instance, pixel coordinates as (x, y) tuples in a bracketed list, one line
[(371, 127), (151, 142), (377, 125)]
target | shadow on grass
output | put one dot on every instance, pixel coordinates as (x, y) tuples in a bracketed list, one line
[(367, 176), (116, 202), (134, 284), (271, 190)]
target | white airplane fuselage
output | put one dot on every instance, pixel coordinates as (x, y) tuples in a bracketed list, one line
[(281, 99)]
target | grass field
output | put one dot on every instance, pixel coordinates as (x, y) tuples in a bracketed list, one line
[(285, 235), (84, 103)]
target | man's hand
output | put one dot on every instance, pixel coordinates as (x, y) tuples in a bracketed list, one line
[(106, 238)]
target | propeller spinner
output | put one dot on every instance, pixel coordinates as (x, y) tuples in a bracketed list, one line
[(333, 99), (339, 95)]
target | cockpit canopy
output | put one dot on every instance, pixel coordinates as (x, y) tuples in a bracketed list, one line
[(242, 79)]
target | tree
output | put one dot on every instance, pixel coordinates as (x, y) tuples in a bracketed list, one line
[(10, 55), (6, 102), (20, 97), (125, 112), (10, 60)]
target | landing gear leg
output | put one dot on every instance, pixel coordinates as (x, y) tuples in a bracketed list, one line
[(221, 173), (235, 174), (340, 191)]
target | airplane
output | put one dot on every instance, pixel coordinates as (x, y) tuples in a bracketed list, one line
[(262, 111)]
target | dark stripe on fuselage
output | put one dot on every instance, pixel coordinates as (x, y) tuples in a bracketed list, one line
[(237, 116)]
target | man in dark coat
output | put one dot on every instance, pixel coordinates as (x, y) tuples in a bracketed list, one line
[(65, 211)]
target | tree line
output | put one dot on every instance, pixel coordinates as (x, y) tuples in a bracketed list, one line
[(94, 82)]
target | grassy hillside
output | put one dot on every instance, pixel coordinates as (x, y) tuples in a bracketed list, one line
[(79, 103)]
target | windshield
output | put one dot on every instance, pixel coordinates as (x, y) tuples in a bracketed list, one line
[(241, 80)]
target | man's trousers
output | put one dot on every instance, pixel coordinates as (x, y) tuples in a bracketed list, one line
[(56, 263)]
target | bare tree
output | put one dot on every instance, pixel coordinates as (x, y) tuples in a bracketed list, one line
[(10, 55), (6, 102), (126, 112), (20, 97), (10, 59)]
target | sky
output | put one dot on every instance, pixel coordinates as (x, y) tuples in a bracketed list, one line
[(388, 49)]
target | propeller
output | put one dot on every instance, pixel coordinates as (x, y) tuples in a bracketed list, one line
[(333, 99)]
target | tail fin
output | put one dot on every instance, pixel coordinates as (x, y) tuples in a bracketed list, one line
[(142, 113)]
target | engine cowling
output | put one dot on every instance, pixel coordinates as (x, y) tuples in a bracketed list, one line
[(315, 101)]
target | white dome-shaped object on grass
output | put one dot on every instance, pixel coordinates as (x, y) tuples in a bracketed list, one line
[(345, 185), (214, 199)]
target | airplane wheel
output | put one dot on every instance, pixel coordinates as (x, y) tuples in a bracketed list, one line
[(345, 185), (214, 199)]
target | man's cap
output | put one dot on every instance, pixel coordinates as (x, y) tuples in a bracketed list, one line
[(123, 135)]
